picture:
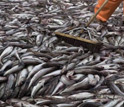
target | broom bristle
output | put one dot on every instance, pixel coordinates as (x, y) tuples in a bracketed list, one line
[(77, 41)]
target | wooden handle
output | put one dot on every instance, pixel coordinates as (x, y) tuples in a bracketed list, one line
[(94, 16), (75, 38)]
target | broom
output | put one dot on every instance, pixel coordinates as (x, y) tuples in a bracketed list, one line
[(78, 41)]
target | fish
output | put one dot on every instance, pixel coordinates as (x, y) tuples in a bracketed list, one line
[(81, 84), (6, 65), (121, 103), (35, 70), (39, 39), (92, 80), (40, 74), (65, 105), (111, 103), (115, 89), (29, 68), (100, 82), (43, 102), (81, 96), (39, 69), (78, 77), (39, 85), (3, 79), (6, 52), (10, 84), (22, 77), (2, 90), (94, 104), (105, 91), (17, 102), (66, 80), (54, 73), (14, 69), (58, 87)]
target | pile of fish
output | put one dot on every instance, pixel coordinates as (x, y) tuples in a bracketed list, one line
[(39, 70)]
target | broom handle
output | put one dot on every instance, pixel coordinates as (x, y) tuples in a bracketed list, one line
[(94, 16)]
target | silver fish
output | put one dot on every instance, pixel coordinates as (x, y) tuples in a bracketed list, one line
[(14, 69), (35, 70), (6, 52), (22, 77), (19, 103), (81, 84), (5, 65), (111, 103), (39, 85), (40, 74), (121, 103), (3, 79), (81, 96)]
